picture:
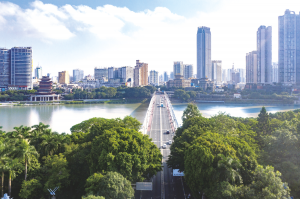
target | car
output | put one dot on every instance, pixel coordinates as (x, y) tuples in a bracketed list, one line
[(164, 146), (167, 132), (170, 142)]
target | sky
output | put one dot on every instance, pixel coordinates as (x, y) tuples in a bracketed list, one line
[(67, 35)]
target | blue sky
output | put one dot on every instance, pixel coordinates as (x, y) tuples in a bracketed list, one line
[(66, 35)]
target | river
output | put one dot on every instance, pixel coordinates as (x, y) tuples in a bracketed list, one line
[(62, 117)]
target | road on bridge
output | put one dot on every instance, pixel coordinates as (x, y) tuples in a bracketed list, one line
[(165, 186)]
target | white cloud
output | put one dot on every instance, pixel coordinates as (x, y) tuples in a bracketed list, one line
[(117, 36)]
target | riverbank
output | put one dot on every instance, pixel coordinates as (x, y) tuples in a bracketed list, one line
[(62, 102), (240, 101)]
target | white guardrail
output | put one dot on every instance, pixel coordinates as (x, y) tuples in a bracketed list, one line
[(145, 125), (171, 112)]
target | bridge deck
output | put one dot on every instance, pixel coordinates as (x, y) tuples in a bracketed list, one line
[(165, 186)]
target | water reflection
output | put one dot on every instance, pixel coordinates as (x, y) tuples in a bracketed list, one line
[(61, 118), (236, 110)]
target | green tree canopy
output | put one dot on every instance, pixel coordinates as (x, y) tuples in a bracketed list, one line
[(110, 185)]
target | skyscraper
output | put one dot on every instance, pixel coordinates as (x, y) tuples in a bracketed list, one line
[(100, 72), (264, 55), (204, 53), (289, 48), (178, 68), (140, 74), (38, 72), (4, 68), (77, 75), (251, 67), (216, 71), (275, 72), (16, 68), (171, 75), (153, 79), (188, 71), (166, 77), (63, 77)]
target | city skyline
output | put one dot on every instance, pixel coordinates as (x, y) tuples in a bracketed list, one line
[(132, 34)]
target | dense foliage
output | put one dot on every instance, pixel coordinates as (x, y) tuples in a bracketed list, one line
[(111, 92), (227, 157), (13, 95), (99, 153)]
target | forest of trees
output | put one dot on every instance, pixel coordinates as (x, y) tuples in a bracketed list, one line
[(100, 159), (239, 158)]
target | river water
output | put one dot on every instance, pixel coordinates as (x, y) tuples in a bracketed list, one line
[(62, 117)]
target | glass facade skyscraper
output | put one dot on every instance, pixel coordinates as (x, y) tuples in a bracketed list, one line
[(289, 48), (16, 68), (204, 53)]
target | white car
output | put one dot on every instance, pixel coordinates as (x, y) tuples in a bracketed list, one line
[(170, 142), (164, 146)]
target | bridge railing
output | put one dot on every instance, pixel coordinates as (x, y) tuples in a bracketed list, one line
[(171, 112), (145, 125)]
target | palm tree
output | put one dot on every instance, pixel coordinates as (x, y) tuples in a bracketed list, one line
[(20, 132), (12, 165), (52, 143), (26, 152), (3, 159), (229, 168)]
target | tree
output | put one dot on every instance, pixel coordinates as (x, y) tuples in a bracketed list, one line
[(22, 132), (190, 111), (57, 173), (26, 152), (125, 151), (110, 185), (12, 166), (204, 166), (29, 188), (265, 184), (263, 122)]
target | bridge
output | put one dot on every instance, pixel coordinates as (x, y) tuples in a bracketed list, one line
[(157, 122)]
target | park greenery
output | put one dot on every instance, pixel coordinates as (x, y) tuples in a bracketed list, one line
[(239, 158), (100, 159), (98, 93)]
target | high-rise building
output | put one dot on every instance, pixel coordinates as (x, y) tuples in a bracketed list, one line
[(38, 72), (224, 75), (100, 72), (166, 77), (161, 79), (216, 71), (264, 55), (289, 48), (16, 68), (4, 68), (140, 74), (251, 67), (275, 72), (204, 53), (188, 71), (63, 77), (241, 71), (153, 79), (171, 75), (78, 75), (48, 74), (178, 68)]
